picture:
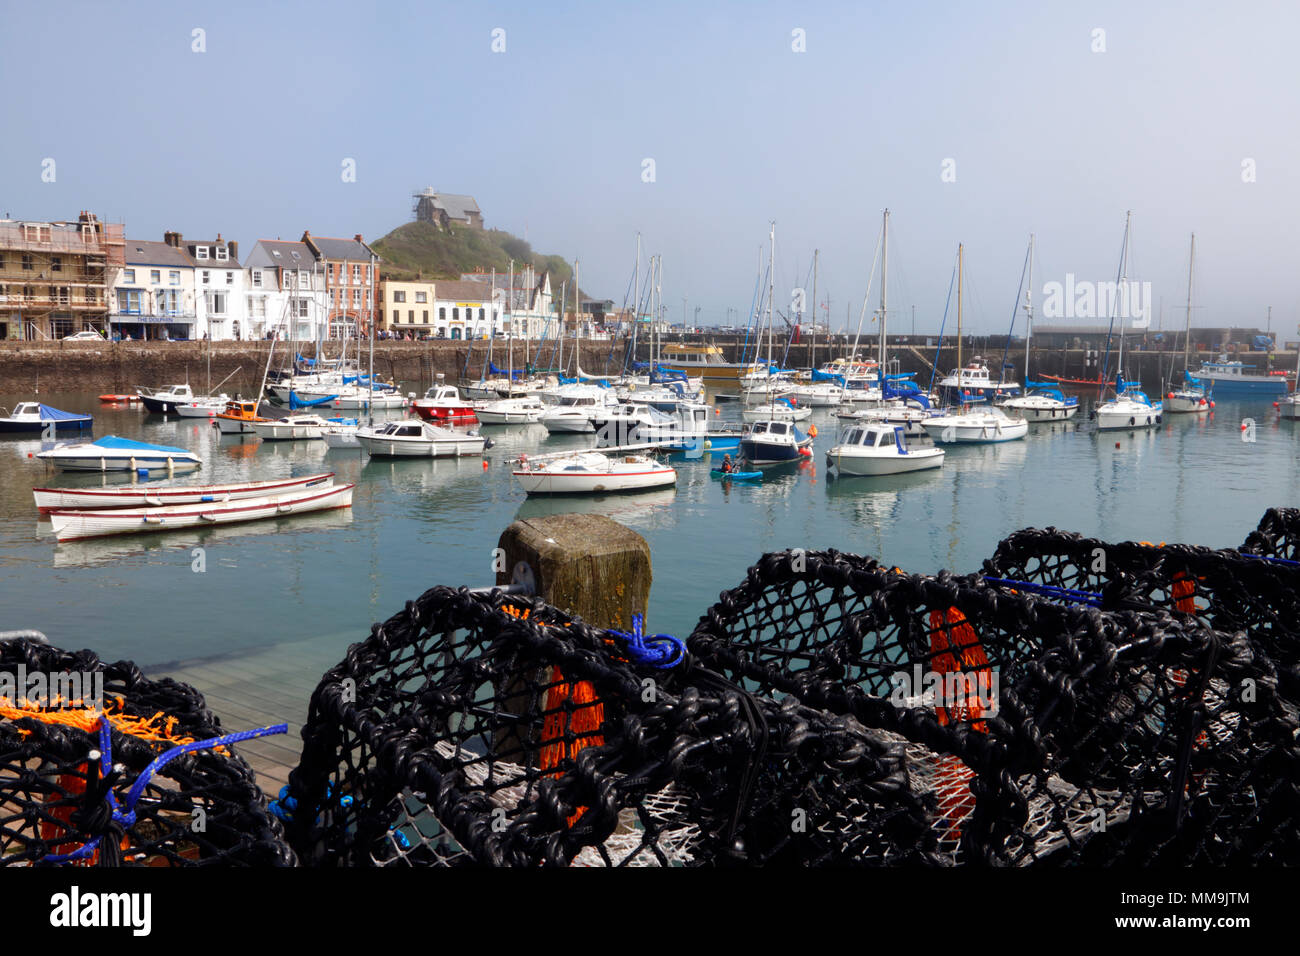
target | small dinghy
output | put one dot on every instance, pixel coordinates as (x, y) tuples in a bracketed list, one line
[(120, 454), (118, 399), (591, 472), (136, 496), (92, 524), (35, 417)]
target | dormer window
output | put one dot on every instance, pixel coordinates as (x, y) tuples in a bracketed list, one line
[(200, 252), (222, 254), (276, 253)]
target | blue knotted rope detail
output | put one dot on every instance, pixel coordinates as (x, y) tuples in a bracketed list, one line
[(125, 816), (660, 651), (1090, 598)]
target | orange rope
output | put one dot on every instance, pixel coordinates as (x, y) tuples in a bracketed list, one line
[(955, 647)]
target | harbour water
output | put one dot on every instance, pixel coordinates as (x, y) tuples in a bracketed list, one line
[(316, 583)]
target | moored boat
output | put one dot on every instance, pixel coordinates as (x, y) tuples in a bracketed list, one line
[(591, 473), (442, 403), (112, 453), (238, 418), (417, 439), (130, 496), (35, 417), (88, 524), (880, 450), (163, 401), (976, 426)]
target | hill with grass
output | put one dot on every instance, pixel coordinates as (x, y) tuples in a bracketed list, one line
[(420, 250)]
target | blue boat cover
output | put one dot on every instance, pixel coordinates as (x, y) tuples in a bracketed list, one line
[(113, 443), (500, 371), (54, 414), (296, 402), (820, 376)]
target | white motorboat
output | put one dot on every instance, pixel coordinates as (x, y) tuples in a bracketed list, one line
[(1043, 402), (774, 443), (88, 524), (880, 450), (341, 436), (510, 411), (209, 407), (818, 395), (1190, 399), (911, 414), (292, 428), (975, 426), (112, 453), (780, 411), (592, 472), (136, 496), (1130, 408), (417, 439), (572, 413), (975, 382)]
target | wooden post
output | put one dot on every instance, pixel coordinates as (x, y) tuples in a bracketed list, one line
[(585, 564)]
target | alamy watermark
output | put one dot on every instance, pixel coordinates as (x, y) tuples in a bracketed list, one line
[(1084, 299), (973, 694), (65, 689)]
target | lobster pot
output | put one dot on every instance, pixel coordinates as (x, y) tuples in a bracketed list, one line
[(1046, 733), (1224, 590), (1278, 535), (202, 808), (479, 729)]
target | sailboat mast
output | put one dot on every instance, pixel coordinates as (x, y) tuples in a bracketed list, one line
[(370, 404), (577, 321), (1187, 332), (1123, 283), (510, 339), (1029, 309), (959, 281), (884, 293), (771, 298), (812, 358)]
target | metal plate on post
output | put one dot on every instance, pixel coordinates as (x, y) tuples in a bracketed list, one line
[(523, 578)]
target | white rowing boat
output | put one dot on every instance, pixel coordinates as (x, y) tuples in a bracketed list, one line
[(134, 496), (91, 524)]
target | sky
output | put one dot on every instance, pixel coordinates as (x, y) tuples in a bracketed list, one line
[(972, 123)]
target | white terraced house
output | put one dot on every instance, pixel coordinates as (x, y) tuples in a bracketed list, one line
[(285, 291)]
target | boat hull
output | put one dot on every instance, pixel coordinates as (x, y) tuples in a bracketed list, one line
[(976, 433), (577, 483), (69, 525), (1043, 413), (858, 465), (387, 447), (1240, 386), (62, 425), (1124, 420), (278, 431), (83, 499), (443, 414)]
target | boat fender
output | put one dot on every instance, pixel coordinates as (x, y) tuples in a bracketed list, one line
[(1132, 421)]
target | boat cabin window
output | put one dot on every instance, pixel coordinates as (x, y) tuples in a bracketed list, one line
[(413, 430), (27, 408)]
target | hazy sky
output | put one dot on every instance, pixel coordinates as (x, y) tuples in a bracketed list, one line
[(1048, 136)]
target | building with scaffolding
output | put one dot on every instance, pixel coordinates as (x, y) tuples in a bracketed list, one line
[(55, 277)]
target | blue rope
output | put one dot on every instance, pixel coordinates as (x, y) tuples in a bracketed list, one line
[(1265, 557), (660, 651), (1090, 598), (126, 817)]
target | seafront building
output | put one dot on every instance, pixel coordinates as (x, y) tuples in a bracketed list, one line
[(286, 291), (153, 293), (350, 270), (55, 277)]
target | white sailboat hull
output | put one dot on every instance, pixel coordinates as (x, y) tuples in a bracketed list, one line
[(977, 430), (1117, 416)]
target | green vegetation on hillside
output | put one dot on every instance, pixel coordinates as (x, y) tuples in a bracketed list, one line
[(422, 250)]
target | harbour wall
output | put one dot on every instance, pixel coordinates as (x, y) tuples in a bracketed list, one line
[(28, 368)]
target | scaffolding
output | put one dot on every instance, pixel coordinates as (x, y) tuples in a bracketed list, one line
[(56, 274)]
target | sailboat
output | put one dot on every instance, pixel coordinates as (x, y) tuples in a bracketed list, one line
[(520, 409), (1042, 401), (773, 440), (1130, 408), (1192, 396), (970, 425)]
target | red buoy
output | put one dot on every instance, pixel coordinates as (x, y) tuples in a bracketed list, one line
[(485, 464), (1116, 444)]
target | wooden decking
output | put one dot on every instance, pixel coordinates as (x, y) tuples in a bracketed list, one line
[(251, 690)]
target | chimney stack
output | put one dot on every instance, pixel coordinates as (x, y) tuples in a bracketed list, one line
[(358, 238), (234, 250), (172, 239)]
